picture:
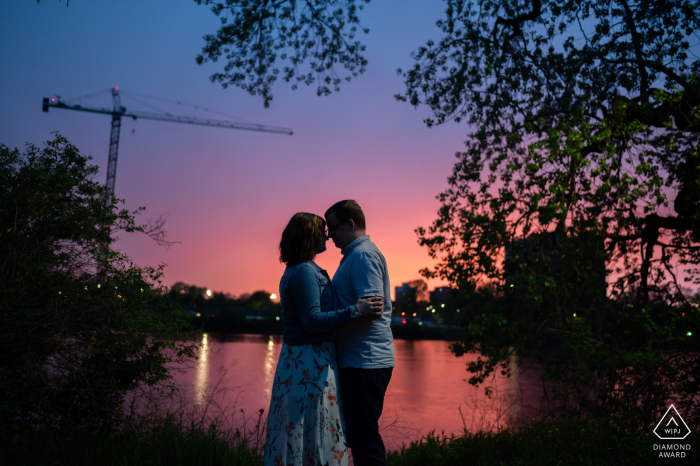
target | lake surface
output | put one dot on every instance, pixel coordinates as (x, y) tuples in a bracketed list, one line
[(428, 387)]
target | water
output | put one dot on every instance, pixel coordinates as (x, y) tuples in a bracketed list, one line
[(428, 387)]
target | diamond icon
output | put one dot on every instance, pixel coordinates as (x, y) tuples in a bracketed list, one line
[(672, 426)]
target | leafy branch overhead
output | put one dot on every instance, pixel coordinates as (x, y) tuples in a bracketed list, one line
[(584, 112), (309, 40)]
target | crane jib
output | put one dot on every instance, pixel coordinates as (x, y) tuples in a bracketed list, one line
[(118, 111)]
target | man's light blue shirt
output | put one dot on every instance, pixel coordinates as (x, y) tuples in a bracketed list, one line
[(363, 272)]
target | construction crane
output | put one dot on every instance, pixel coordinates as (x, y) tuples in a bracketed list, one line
[(118, 112)]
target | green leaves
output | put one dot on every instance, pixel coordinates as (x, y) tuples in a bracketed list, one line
[(81, 324), (562, 190)]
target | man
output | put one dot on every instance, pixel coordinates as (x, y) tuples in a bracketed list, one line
[(365, 352)]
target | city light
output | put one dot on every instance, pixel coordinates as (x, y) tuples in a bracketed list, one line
[(433, 311), (403, 313), (273, 296), (414, 314), (689, 334), (277, 318), (442, 305)]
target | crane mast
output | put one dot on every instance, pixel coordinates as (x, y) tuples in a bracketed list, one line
[(118, 111), (114, 139)]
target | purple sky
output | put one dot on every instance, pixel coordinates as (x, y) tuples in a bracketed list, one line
[(230, 193)]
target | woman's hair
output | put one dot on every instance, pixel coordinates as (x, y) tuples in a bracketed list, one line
[(301, 238)]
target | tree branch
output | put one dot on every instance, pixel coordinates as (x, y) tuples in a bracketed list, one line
[(514, 23), (644, 77)]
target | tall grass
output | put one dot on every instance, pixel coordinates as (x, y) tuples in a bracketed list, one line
[(549, 443), (175, 426), (183, 428), (167, 443), (173, 443)]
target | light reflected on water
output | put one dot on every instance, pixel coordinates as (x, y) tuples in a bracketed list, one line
[(270, 367), (200, 387), (428, 387)]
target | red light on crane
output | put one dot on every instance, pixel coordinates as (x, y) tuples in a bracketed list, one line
[(116, 88), (53, 100)]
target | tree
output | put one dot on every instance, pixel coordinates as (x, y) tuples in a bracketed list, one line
[(259, 300), (421, 288), (254, 35), (586, 122), (81, 325)]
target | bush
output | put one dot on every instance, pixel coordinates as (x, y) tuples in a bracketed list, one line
[(81, 325)]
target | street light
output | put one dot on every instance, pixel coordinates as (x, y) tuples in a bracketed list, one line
[(273, 296), (209, 293)]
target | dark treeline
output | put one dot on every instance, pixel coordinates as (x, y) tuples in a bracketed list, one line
[(414, 315), (213, 311)]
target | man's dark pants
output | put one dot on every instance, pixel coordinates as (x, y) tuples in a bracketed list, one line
[(362, 393)]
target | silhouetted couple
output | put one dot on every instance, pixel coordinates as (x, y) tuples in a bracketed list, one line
[(338, 350)]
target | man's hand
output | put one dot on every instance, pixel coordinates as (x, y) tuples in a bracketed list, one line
[(371, 306)]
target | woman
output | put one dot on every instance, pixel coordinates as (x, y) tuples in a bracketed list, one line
[(305, 424)]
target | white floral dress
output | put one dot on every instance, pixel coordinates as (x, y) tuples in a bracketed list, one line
[(305, 425)]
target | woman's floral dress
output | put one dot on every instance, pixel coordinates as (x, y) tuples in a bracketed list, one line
[(305, 426)]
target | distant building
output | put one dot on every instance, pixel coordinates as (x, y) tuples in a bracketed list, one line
[(403, 292), (440, 295)]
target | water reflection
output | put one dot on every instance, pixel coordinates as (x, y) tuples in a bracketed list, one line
[(428, 388), (200, 387), (270, 367)]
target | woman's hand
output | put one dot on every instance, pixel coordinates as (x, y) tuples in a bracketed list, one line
[(371, 306)]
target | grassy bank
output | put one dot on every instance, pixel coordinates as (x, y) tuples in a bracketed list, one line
[(167, 444), (172, 444), (560, 443)]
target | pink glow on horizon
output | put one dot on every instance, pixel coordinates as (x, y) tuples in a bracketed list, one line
[(230, 193)]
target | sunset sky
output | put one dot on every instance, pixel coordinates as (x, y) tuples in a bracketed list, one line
[(230, 193)]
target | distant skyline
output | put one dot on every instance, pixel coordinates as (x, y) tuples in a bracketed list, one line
[(230, 192)]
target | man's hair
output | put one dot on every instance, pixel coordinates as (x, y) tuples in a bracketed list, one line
[(301, 238), (348, 210)]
